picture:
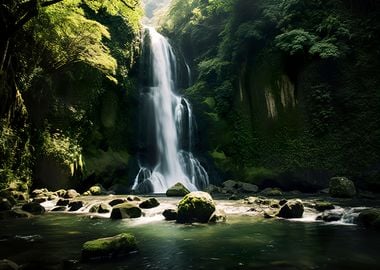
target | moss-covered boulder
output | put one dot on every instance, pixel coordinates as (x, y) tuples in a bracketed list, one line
[(106, 248), (97, 190), (178, 190), (59, 209), (33, 208), (341, 187), (195, 207), (291, 209), (62, 202), (170, 214), (100, 208), (369, 218), (149, 203), (125, 210)]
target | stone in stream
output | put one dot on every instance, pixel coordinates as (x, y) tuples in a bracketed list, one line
[(33, 208), (218, 216), (341, 187), (97, 189), (178, 190), (117, 201), (71, 193), (110, 247), (247, 187), (132, 198), (61, 192), (271, 192), (149, 203), (170, 214), (292, 209), (323, 206), (100, 208), (195, 207), (62, 202), (369, 218), (125, 210), (75, 206), (59, 209), (330, 216)]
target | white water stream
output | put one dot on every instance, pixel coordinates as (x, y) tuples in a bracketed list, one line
[(173, 122)]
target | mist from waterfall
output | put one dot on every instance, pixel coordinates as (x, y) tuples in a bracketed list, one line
[(171, 118)]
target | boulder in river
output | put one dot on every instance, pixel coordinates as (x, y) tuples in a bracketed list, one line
[(33, 208), (323, 206), (195, 207), (330, 216), (100, 208), (117, 201), (170, 214), (149, 203), (291, 209), (125, 210), (97, 190), (178, 190), (369, 218), (71, 193), (218, 216), (341, 187), (75, 206), (105, 248), (59, 209), (62, 202)]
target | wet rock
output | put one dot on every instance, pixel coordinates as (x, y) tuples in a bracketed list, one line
[(178, 190), (212, 189), (369, 218), (59, 209), (133, 198), (86, 193), (323, 206), (62, 202), (117, 201), (170, 214), (269, 214), (61, 192), (105, 248), (100, 208), (271, 192), (97, 190), (247, 188), (8, 265), (230, 184), (5, 205), (195, 207), (33, 208), (282, 202), (75, 206), (39, 193), (149, 203), (218, 216), (14, 213), (292, 209), (330, 216), (39, 199), (341, 187), (71, 193), (125, 210)]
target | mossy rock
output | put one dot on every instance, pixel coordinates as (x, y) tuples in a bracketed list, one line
[(33, 208), (178, 190), (170, 214), (195, 207), (97, 190), (292, 209), (369, 218), (75, 206), (272, 192), (341, 187), (62, 202), (125, 210), (71, 193), (117, 201), (106, 248), (149, 203)]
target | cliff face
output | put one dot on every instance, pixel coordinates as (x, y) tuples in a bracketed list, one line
[(281, 98)]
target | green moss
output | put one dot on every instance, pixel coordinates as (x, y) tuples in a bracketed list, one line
[(109, 247), (195, 207)]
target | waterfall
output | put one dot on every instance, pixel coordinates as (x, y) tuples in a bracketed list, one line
[(167, 124)]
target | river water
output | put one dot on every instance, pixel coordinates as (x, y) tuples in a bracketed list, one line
[(245, 241)]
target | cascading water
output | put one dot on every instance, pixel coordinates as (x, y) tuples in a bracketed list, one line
[(167, 124)]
